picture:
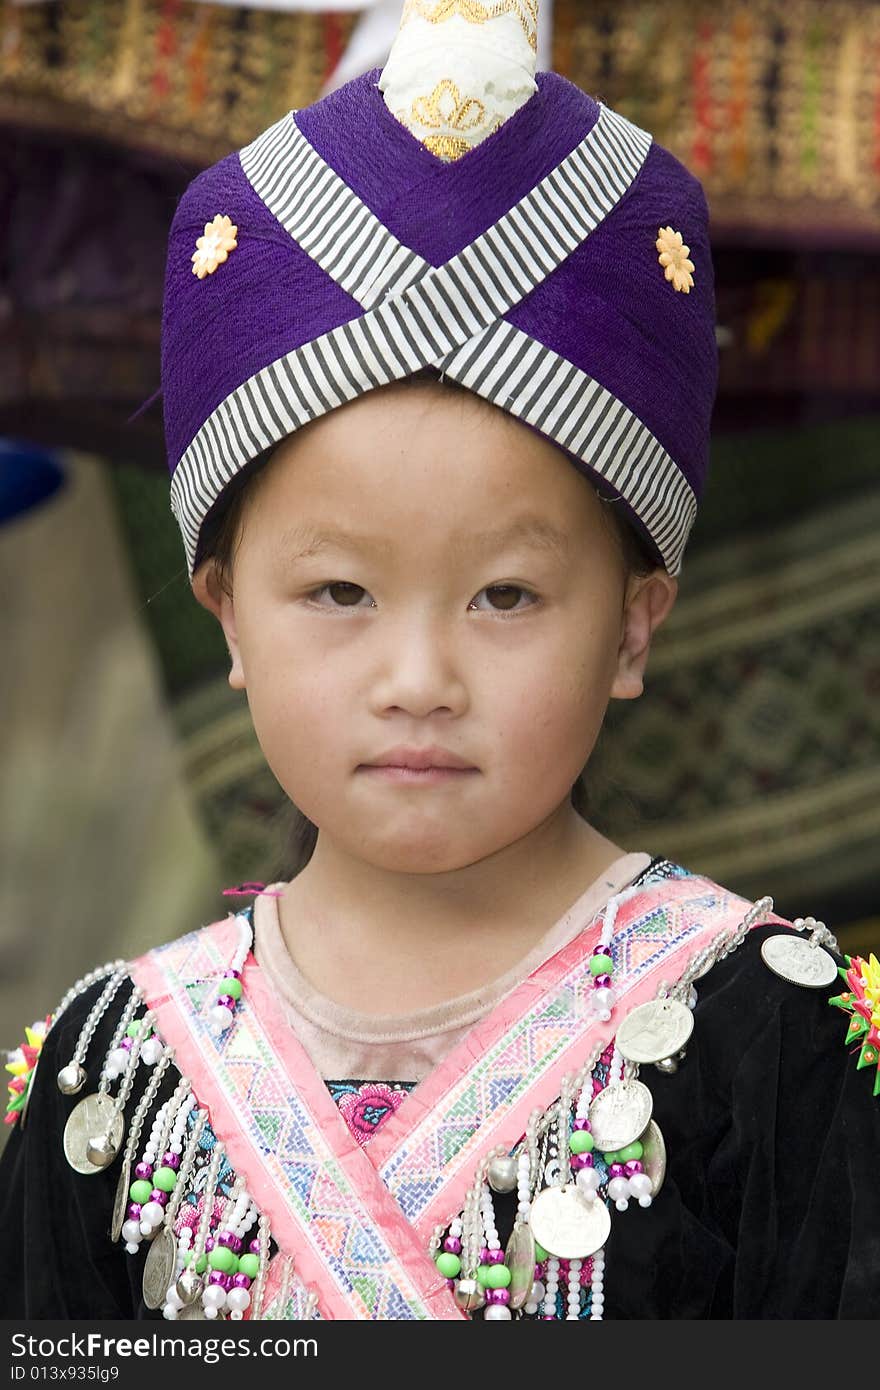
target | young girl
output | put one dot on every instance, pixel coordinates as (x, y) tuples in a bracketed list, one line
[(438, 368)]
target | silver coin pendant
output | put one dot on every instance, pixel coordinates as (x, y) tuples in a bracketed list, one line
[(93, 1115), (655, 1030), (120, 1202), (567, 1225), (794, 959), (654, 1156), (519, 1257), (159, 1268), (619, 1114)]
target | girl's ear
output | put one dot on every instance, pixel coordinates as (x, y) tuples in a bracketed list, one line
[(209, 593), (648, 604)]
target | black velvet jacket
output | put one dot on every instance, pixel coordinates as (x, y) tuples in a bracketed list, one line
[(770, 1208)]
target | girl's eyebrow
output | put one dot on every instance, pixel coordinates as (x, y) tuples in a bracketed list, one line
[(306, 539)]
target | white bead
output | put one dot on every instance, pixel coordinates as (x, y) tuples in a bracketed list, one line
[(219, 1019), (210, 1311), (146, 1228), (151, 1051), (618, 1188), (131, 1231), (645, 1201), (169, 1312), (622, 1204), (530, 1309), (238, 1298), (152, 1212), (131, 1247), (213, 1297), (588, 1181), (640, 1185), (497, 1312), (118, 1058), (173, 1298)]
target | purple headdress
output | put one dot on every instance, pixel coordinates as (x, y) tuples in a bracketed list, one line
[(554, 260)]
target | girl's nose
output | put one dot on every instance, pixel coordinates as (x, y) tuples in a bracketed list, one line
[(419, 670)]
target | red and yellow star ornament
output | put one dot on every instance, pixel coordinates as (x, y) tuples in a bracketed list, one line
[(861, 999), (22, 1063)]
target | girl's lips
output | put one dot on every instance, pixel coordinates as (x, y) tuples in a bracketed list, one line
[(422, 775)]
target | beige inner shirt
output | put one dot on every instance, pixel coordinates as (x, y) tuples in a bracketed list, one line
[(347, 1045)]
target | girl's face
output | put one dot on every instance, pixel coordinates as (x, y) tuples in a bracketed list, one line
[(418, 569)]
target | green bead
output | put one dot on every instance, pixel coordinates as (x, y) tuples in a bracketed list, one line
[(134, 1028), (222, 1259), (540, 1253), (201, 1264), (601, 965), (249, 1265), (140, 1191), (483, 1272), (449, 1264), (499, 1277), (230, 986), (611, 1157), (581, 1141), (631, 1151), (164, 1179)]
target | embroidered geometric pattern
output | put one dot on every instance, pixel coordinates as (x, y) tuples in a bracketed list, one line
[(451, 1134), (451, 316), (299, 1159)]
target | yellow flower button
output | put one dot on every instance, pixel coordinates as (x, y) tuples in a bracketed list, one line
[(674, 259), (213, 248)]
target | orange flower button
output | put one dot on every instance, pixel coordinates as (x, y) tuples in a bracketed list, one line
[(674, 259), (213, 248)]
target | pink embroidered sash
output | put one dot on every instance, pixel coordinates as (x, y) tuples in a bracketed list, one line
[(358, 1219)]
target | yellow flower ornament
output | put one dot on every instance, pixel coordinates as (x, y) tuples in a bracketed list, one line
[(674, 259), (213, 248)]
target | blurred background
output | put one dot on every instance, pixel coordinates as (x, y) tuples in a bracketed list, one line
[(133, 790)]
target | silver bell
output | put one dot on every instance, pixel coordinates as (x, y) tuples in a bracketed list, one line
[(71, 1079), (468, 1295), (501, 1173), (101, 1150), (668, 1065), (189, 1286)]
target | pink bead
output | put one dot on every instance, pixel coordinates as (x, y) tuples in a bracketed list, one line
[(633, 1166), (226, 1238), (600, 950), (484, 1255), (581, 1122), (254, 1246), (495, 1257), (232, 974), (497, 1296), (144, 1170), (601, 982), (227, 1282), (227, 1001), (240, 1281), (126, 1043), (216, 1277), (171, 1160), (450, 1283), (579, 1161), (453, 1245), (209, 1245), (157, 1195), (617, 1170), (134, 1210)]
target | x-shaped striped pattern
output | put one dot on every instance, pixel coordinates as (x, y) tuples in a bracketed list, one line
[(450, 316)]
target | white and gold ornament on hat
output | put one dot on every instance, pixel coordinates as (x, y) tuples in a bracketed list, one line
[(458, 69)]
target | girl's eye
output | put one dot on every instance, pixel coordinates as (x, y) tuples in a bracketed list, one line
[(508, 594), (348, 591)]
